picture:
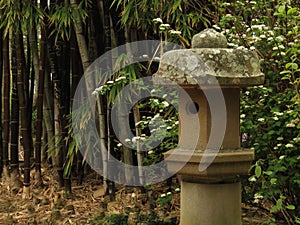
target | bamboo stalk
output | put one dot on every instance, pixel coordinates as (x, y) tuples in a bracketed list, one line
[(1, 79), (6, 99), (140, 155), (24, 112), (39, 101), (14, 124)]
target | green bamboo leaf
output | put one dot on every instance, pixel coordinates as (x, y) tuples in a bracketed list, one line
[(118, 2)]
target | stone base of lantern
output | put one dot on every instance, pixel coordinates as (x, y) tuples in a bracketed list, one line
[(211, 196), (210, 204)]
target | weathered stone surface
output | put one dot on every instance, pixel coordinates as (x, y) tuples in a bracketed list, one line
[(210, 204), (211, 66), (209, 38), (227, 164)]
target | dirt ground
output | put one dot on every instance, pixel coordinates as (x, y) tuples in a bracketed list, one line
[(86, 205)]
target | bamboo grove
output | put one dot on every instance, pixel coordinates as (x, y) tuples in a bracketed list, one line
[(45, 48)]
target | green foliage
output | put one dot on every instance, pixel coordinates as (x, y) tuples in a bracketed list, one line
[(112, 87), (81, 118), (63, 16), (16, 14), (184, 15), (69, 141), (121, 219), (168, 126), (114, 219), (270, 113), (164, 199), (151, 108)]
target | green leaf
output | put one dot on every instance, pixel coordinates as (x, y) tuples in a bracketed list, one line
[(257, 171), (291, 11), (293, 65), (276, 207), (291, 207), (281, 9), (268, 173), (273, 180), (285, 72), (279, 203)]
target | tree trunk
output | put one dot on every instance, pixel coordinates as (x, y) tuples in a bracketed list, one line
[(57, 125), (29, 83), (1, 76), (6, 97), (92, 41), (107, 44), (127, 152), (55, 49), (128, 156), (107, 30), (117, 27), (82, 45), (110, 150), (33, 43), (23, 102), (14, 124), (48, 115), (76, 74), (39, 104), (48, 106), (65, 107), (102, 134), (140, 156)]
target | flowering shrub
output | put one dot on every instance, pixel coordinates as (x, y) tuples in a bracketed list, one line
[(270, 113)]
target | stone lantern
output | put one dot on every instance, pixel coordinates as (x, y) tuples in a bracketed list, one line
[(210, 186)]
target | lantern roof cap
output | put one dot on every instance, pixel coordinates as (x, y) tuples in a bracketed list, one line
[(209, 62)]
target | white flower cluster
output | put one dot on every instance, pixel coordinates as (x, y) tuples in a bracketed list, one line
[(164, 26), (261, 119), (296, 139), (291, 124), (164, 195), (157, 20), (135, 139), (175, 32), (289, 145), (98, 90), (278, 113), (120, 78), (257, 197)]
